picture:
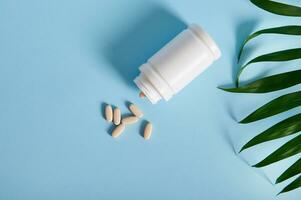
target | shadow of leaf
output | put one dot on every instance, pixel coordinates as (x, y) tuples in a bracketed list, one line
[(242, 30)]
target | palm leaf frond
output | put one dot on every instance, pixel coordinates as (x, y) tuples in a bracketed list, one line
[(274, 107), (292, 186), (284, 55), (284, 128), (284, 30), (269, 84), (289, 149), (290, 172), (278, 8)]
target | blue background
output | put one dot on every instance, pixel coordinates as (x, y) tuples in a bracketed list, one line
[(61, 60)]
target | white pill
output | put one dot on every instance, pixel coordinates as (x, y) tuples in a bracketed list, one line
[(135, 110), (130, 120), (117, 116), (109, 113), (148, 131), (118, 130)]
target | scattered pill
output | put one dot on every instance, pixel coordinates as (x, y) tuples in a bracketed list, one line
[(148, 131), (130, 120), (141, 95), (116, 116), (135, 110), (109, 113), (118, 130)]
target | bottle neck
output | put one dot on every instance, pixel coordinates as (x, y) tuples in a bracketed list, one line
[(147, 88), (152, 84)]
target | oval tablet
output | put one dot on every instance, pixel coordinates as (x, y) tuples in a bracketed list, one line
[(109, 113), (148, 131), (118, 130), (117, 116), (135, 110), (130, 120)]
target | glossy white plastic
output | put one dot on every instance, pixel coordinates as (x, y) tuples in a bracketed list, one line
[(177, 64)]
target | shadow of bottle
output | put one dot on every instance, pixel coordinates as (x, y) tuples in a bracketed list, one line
[(144, 37)]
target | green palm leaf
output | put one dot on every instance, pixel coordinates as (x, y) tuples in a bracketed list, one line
[(289, 149), (278, 8), (290, 172), (284, 128), (276, 106), (286, 30), (270, 83), (284, 55), (293, 185), (291, 125)]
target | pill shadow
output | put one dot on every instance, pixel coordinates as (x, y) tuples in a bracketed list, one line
[(127, 104), (102, 108), (143, 37), (142, 127), (110, 129)]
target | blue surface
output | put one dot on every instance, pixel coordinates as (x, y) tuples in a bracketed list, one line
[(61, 60)]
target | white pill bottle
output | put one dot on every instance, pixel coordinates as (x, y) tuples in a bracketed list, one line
[(177, 64)]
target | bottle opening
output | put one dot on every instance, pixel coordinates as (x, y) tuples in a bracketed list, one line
[(147, 88)]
